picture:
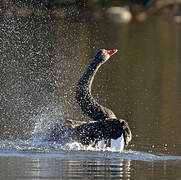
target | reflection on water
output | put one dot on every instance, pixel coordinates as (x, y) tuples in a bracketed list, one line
[(54, 168), (42, 58), (84, 165)]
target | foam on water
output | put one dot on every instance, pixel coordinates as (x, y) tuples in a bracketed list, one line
[(49, 150), (116, 144)]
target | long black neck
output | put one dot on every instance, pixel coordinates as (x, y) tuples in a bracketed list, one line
[(83, 95)]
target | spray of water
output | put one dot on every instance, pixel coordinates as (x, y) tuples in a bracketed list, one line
[(45, 122), (32, 78)]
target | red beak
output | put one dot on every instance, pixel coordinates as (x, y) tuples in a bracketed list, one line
[(111, 52)]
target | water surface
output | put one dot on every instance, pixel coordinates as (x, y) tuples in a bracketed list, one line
[(42, 58)]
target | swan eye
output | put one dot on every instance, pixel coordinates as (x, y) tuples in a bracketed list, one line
[(99, 54)]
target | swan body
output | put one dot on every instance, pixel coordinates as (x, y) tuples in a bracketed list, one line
[(106, 125)]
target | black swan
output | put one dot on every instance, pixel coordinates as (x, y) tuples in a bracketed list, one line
[(106, 126)]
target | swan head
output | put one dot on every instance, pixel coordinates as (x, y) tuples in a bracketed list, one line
[(103, 55)]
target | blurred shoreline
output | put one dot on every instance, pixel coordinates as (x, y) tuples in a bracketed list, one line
[(140, 10)]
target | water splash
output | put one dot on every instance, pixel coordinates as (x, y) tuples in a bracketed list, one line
[(115, 145), (49, 150), (45, 122)]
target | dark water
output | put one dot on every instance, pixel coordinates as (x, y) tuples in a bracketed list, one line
[(42, 58)]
